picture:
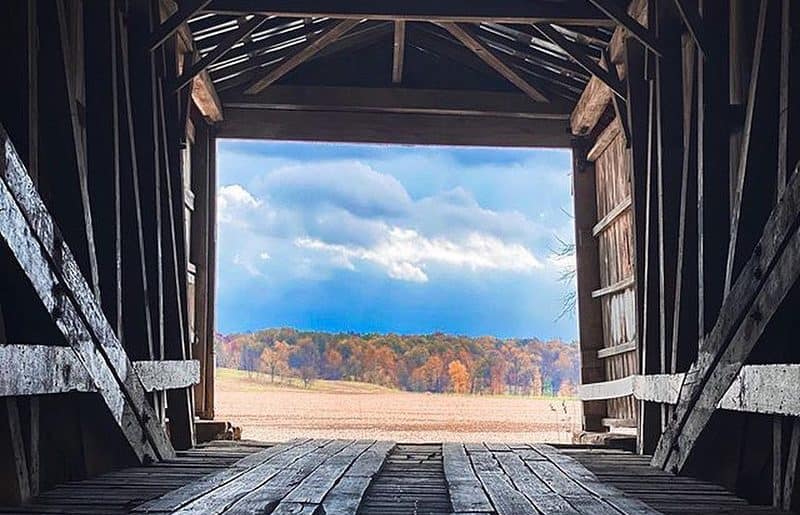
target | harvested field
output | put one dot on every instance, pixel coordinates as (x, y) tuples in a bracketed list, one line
[(339, 409)]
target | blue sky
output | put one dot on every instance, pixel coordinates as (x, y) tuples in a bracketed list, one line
[(378, 238)]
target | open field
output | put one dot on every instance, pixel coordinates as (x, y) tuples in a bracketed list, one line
[(340, 409)]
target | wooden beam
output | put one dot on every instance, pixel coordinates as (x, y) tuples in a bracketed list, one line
[(618, 14), (463, 34), (42, 369), (19, 464), (618, 286), (612, 215), (246, 27), (187, 9), (398, 100), (765, 389), (412, 129), (590, 316), (616, 350), (72, 54), (399, 51), (36, 243), (243, 73), (590, 107), (791, 465), (783, 98), (47, 369), (604, 139), (509, 11), (606, 390), (744, 148), (303, 54), (694, 24), (576, 52), (777, 460), (168, 374), (726, 357), (33, 91)]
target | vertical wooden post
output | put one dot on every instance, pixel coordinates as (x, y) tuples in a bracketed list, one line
[(777, 460), (199, 251), (210, 329), (712, 173), (102, 128), (33, 92), (590, 322)]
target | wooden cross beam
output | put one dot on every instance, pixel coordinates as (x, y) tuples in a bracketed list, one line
[(753, 299), (27, 228), (246, 27), (302, 55), (399, 51), (188, 8), (618, 14), (463, 34), (580, 57)]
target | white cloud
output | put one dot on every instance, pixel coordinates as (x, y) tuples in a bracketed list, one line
[(350, 213), (404, 253)]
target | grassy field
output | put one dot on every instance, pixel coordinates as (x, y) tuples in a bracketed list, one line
[(342, 409)]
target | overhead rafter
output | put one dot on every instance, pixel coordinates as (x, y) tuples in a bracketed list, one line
[(247, 71), (302, 55), (187, 9), (552, 83), (572, 12), (462, 34), (525, 49), (618, 14), (589, 64), (246, 27), (399, 51)]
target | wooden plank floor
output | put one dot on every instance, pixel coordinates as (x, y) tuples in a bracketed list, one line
[(366, 477)]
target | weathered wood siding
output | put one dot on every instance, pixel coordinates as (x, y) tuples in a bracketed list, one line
[(616, 261)]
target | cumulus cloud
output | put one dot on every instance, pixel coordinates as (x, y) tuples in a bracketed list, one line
[(349, 185), (346, 212), (405, 254)]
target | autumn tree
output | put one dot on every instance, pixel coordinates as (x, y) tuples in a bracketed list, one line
[(459, 377), (275, 360)]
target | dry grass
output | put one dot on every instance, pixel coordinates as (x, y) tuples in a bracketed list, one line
[(328, 409)]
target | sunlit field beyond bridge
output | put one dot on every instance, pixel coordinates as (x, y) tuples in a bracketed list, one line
[(341, 409)]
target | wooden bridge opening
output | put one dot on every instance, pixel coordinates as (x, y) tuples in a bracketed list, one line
[(683, 117)]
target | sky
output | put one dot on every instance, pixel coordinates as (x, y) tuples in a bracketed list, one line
[(389, 238)]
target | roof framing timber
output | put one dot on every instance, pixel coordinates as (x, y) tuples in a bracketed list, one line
[(303, 54), (398, 100), (509, 11), (464, 35), (246, 27), (187, 9), (399, 51), (640, 32), (589, 64)]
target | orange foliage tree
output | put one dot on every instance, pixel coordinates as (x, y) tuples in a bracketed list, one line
[(459, 377)]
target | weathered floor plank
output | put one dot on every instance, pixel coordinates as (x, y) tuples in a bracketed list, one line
[(341, 477), (466, 492)]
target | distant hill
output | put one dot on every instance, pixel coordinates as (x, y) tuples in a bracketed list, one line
[(432, 362)]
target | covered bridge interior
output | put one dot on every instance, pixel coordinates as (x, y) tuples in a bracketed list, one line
[(683, 117)]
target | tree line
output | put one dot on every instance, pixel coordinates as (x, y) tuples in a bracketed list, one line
[(422, 363)]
